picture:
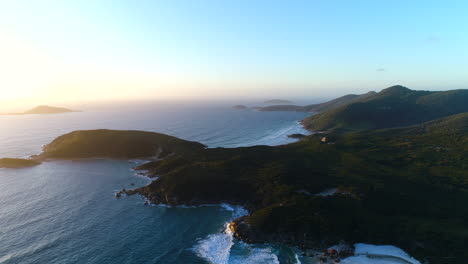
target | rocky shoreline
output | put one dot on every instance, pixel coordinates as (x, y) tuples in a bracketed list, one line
[(242, 231), (275, 184)]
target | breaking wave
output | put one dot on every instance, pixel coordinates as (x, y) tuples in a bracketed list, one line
[(277, 137), (217, 248)]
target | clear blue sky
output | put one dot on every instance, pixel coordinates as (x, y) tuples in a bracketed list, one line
[(231, 48)]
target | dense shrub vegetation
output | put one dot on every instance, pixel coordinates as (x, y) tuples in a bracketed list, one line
[(396, 106), (404, 186), (116, 144)]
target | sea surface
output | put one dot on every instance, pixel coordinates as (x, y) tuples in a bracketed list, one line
[(64, 212)]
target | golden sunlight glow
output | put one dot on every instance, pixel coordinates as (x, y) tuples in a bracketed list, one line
[(23, 70)]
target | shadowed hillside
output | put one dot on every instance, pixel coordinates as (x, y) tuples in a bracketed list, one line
[(392, 107), (394, 186), (318, 107)]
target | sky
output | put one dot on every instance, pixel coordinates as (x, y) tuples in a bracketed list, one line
[(66, 51)]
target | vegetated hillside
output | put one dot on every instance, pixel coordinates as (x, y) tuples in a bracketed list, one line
[(17, 163), (407, 187), (318, 107), (392, 107), (116, 144), (45, 109)]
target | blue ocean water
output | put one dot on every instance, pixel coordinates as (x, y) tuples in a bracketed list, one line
[(66, 212)]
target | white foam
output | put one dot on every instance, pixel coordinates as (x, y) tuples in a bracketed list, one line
[(228, 207), (256, 256), (328, 192), (278, 137), (297, 259), (376, 254), (370, 260), (237, 210), (216, 248), (137, 161), (6, 257)]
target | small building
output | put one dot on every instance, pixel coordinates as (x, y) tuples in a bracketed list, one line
[(324, 140)]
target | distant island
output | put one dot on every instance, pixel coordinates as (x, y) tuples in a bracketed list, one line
[(44, 109), (240, 107), (278, 101), (387, 168)]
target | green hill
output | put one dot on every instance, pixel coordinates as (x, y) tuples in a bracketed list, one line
[(392, 107), (116, 144), (318, 107)]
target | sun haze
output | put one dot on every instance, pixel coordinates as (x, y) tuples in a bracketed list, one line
[(65, 51)]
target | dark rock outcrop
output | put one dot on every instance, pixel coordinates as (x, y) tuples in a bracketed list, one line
[(297, 136)]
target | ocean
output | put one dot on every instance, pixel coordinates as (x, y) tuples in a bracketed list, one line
[(65, 211)]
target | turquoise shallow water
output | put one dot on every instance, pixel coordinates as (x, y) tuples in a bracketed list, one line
[(66, 212)]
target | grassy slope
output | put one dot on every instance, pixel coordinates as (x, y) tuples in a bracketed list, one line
[(392, 107), (116, 144), (409, 188)]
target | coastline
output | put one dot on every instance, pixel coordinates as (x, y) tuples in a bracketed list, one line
[(359, 253), (315, 253), (163, 199), (344, 253)]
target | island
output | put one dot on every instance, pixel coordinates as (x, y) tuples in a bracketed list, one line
[(44, 109), (240, 107), (404, 183)]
